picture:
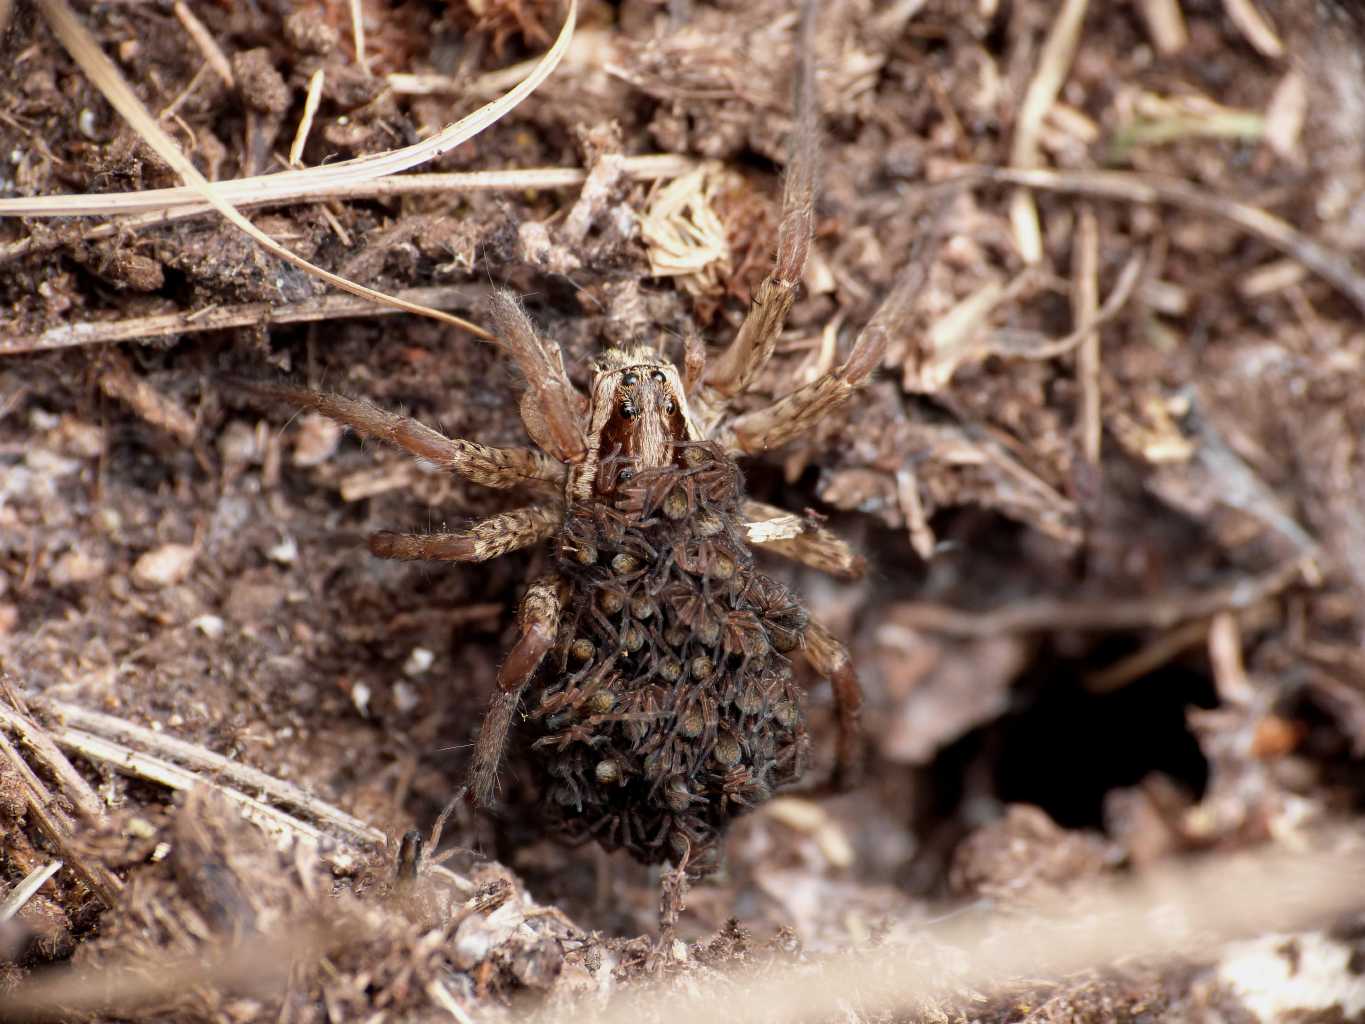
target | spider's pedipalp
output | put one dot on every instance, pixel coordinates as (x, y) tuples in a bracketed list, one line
[(478, 542), (551, 408)]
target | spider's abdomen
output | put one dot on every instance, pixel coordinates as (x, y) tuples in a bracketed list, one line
[(669, 706)]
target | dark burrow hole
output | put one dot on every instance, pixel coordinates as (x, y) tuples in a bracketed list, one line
[(1066, 747), (1063, 747)]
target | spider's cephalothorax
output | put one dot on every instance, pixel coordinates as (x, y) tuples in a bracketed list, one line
[(651, 666)]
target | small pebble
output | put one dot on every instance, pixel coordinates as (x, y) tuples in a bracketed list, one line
[(164, 566), (419, 660)]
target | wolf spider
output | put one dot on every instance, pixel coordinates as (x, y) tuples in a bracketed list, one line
[(651, 661)]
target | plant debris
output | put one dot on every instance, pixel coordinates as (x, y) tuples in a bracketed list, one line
[(1105, 483)]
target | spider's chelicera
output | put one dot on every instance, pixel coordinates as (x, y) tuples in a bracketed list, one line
[(652, 665)]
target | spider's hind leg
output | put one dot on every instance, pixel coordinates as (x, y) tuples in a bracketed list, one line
[(831, 659), (487, 538), (538, 619)]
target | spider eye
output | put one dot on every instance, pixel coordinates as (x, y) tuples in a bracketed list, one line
[(627, 410), (657, 376), (670, 407), (630, 378), (625, 474)]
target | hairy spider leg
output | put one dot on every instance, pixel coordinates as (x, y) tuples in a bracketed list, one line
[(484, 539), (538, 621), (732, 372), (831, 659), (806, 542), (492, 467)]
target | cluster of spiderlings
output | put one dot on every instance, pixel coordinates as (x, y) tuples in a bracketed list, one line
[(668, 707)]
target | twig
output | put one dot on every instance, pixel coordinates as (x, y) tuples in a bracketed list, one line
[(59, 830), (1085, 300), (1054, 63), (1100, 613), (84, 49), (327, 307), (310, 109), (358, 34), (154, 769), (36, 739), (23, 892), (117, 380), (208, 46), (1327, 263), (1254, 27), (1114, 304), (175, 204), (196, 757), (1165, 24)]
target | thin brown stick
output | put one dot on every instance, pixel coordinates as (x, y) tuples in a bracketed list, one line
[(327, 307), (1054, 64), (59, 830), (208, 46), (1096, 613), (1085, 301), (38, 742), (194, 757)]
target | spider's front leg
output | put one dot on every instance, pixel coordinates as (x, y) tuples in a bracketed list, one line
[(795, 414), (481, 463), (831, 659), (735, 369), (538, 620)]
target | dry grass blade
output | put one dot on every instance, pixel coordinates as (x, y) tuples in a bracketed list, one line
[(86, 52), (175, 204), (295, 186), (23, 892), (172, 776), (106, 727), (326, 307)]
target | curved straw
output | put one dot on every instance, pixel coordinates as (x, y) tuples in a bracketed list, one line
[(93, 61)]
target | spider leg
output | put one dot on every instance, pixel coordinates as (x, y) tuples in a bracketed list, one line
[(831, 659), (735, 369), (491, 467), (487, 538), (551, 408), (783, 533), (538, 620)]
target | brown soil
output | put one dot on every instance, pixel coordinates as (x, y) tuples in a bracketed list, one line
[(1074, 668)]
